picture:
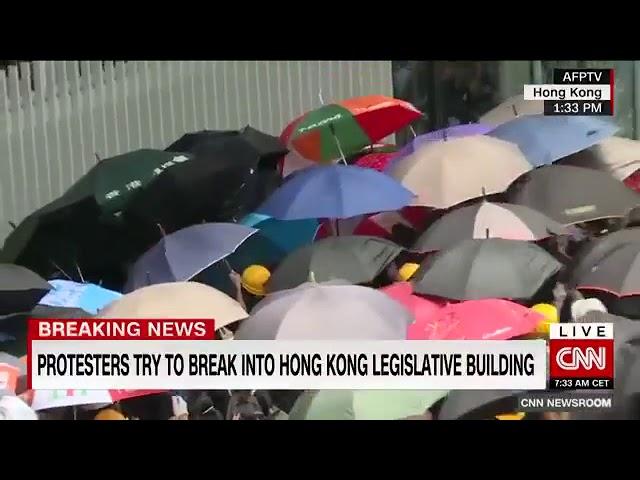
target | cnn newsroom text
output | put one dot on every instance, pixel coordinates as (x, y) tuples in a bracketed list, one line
[(170, 354)]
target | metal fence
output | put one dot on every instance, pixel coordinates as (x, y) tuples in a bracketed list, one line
[(56, 118)]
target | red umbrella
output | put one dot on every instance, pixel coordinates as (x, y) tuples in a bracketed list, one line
[(487, 319), (633, 181)]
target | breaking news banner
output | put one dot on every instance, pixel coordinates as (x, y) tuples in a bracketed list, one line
[(581, 356), (576, 92), (124, 354)]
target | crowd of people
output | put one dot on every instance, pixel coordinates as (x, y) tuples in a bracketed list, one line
[(531, 220)]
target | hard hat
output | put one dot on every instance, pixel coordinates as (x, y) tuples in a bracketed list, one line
[(511, 416), (407, 271), (109, 414), (550, 314), (254, 279)]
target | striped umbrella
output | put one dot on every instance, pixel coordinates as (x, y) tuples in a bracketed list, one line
[(343, 128)]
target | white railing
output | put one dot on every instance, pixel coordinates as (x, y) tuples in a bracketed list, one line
[(55, 117)]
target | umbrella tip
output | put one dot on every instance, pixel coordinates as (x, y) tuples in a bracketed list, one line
[(484, 193), (12, 225), (148, 275), (162, 231), (98, 159), (515, 110), (80, 273), (487, 234)]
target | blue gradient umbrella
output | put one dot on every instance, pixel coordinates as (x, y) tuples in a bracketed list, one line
[(543, 140), (85, 296), (187, 252), (335, 191)]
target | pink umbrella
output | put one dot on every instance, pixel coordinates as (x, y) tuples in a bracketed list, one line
[(487, 319), (377, 161), (424, 309)]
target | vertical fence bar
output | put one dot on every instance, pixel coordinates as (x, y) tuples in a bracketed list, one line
[(111, 109), (76, 127), (30, 161), (9, 190), (44, 155), (88, 93), (67, 157), (18, 138), (53, 118), (121, 91)]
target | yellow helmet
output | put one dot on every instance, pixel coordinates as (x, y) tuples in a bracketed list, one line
[(550, 314), (511, 416), (109, 414), (254, 279), (407, 271)]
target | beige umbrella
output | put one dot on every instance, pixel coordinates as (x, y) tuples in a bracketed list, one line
[(446, 173), (511, 108), (177, 300), (616, 155)]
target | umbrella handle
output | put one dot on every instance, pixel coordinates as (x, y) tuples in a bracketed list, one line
[(332, 129)]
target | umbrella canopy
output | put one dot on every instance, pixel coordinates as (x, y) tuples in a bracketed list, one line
[(265, 146), (478, 404), (326, 311), (20, 288), (85, 297), (363, 404), (545, 139), (491, 268), (343, 128), (512, 108), (183, 254), (356, 259), (335, 191), (177, 300), (488, 319), (46, 399), (616, 272), (593, 251), (11, 368), (488, 220), (617, 155), (443, 174), (573, 195), (444, 134), (423, 308), (377, 161)]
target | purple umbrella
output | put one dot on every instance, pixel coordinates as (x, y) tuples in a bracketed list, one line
[(183, 254), (457, 131)]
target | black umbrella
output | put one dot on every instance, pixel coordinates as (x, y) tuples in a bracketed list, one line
[(488, 220), (20, 288), (573, 195), (596, 249), (616, 272), (356, 259), (491, 268)]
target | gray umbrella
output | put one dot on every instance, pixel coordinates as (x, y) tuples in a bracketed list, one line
[(20, 288), (617, 272), (478, 404), (595, 250), (491, 268), (356, 259), (488, 220), (572, 195), (326, 311)]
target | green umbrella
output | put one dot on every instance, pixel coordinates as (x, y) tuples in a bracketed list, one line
[(356, 259), (363, 404)]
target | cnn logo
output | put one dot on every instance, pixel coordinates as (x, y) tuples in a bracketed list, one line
[(581, 355)]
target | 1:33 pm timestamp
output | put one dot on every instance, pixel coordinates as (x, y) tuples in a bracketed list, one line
[(577, 107)]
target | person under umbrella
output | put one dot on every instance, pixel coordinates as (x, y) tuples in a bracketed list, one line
[(490, 268), (546, 139), (572, 195), (250, 285)]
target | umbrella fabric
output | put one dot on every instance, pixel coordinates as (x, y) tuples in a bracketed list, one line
[(377, 161), (222, 186), (346, 127), (444, 134), (47, 311), (545, 139), (84, 296), (335, 191), (177, 300), (512, 108), (443, 174), (488, 220), (20, 288), (478, 404), (617, 155), (326, 311), (183, 254), (616, 272), (356, 259), (491, 268), (488, 319), (264, 145), (592, 252), (363, 404), (46, 399), (633, 181), (573, 195), (423, 308), (11, 368)]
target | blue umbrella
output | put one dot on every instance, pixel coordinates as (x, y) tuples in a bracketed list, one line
[(335, 191), (85, 296), (543, 140), (285, 235), (185, 253)]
